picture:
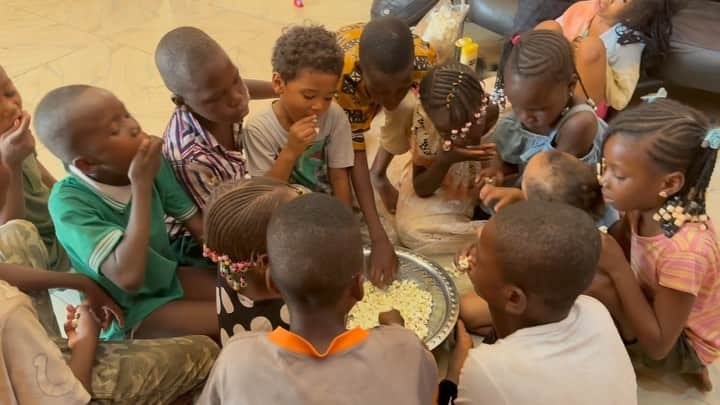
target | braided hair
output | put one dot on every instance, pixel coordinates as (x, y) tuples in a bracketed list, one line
[(238, 214), (677, 133), (648, 22), (454, 87), (541, 54)]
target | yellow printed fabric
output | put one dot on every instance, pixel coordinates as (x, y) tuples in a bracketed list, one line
[(352, 94)]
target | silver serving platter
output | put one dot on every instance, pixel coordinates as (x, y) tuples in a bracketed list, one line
[(432, 278)]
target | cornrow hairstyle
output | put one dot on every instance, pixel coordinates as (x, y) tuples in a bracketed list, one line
[(649, 22), (454, 87), (566, 179), (307, 47), (238, 214), (676, 132), (542, 54)]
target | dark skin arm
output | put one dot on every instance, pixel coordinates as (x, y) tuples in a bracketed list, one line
[(260, 89), (195, 225), (383, 260), (31, 279), (427, 180), (577, 134), (657, 324), (340, 183)]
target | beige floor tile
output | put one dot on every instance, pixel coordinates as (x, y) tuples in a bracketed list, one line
[(28, 41), (332, 13)]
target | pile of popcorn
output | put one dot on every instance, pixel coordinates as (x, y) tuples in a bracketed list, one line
[(413, 303)]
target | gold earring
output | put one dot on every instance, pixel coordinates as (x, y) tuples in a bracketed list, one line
[(663, 194)]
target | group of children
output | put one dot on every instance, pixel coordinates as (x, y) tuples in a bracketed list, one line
[(226, 226)]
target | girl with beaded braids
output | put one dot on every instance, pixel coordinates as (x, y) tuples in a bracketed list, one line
[(236, 221), (438, 192), (657, 163), (538, 77)]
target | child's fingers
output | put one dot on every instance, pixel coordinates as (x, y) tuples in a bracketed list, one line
[(485, 191)]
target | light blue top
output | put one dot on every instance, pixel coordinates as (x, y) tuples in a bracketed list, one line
[(516, 145)]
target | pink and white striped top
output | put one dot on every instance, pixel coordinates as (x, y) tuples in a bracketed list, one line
[(688, 262), (200, 163)]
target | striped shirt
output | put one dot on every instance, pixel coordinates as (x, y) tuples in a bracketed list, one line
[(688, 262), (199, 161)]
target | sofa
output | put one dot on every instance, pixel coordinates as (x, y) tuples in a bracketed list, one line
[(694, 59)]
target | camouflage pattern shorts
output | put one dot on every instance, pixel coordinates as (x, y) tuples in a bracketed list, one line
[(140, 371)]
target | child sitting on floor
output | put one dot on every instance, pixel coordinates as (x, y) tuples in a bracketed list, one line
[(658, 161), (316, 261), (28, 335), (438, 193), (109, 214), (551, 176), (530, 264), (538, 77), (612, 38), (25, 209), (202, 139), (236, 222), (304, 138)]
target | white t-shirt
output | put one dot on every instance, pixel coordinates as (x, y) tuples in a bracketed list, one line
[(264, 138), (32, 369), (579, 360)]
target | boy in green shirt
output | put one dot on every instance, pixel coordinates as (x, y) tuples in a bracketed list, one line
[(109, 214)]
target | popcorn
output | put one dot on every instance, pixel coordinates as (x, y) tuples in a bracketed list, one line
[(414, 304)]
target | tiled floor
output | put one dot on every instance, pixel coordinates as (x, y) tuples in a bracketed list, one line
[(110, 43)]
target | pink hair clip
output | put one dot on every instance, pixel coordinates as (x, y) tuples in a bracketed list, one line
[(454, 131), (464, 130)]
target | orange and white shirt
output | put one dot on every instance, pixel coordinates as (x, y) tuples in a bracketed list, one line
[(383, 365), (688, 262)]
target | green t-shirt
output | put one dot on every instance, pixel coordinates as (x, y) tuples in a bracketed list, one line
[(36, 211), (91, 221)]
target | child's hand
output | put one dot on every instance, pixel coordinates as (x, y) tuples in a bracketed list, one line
[(81, 325), (500, 196), (490, 175), (383, 263), (464, 257), (612, 257), (463, 344), (17, 143), (391, 317), (101, 306), (146, 163), (481, 153), (302, 134)]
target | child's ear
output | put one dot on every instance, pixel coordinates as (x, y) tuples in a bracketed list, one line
[(515, 300), (278, 84), (269, 283), (84, 166), (672, 183)]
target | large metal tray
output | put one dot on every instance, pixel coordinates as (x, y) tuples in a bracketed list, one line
[(434, 279)]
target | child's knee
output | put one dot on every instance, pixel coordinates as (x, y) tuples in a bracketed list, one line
[(474, 311), (20, 244)]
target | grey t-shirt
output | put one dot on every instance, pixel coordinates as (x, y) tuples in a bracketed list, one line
[(264, 138)]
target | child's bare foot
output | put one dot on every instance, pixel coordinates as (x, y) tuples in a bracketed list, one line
[(388, 193)]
